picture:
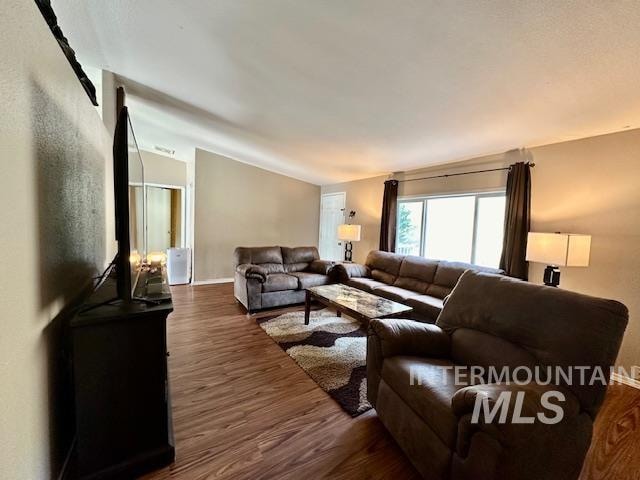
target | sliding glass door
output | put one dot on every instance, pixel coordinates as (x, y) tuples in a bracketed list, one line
[(466, 228)]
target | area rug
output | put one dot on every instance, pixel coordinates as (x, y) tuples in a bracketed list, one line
[(332, 350)]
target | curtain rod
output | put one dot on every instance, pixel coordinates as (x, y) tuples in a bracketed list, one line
[(462, 173)]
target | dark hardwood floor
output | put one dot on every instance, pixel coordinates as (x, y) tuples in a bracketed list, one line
[(243, 409)]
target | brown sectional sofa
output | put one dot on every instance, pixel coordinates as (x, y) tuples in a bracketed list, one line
[(494, 321), (414, 281), (275, 276)]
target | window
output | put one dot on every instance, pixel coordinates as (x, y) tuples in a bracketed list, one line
[(465, 228)]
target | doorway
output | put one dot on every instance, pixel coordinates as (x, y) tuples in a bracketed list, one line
[(163, 214), (164, 218), (332, 207)]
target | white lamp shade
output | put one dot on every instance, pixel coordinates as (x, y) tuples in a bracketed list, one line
[(578, 250), (349, 233), (559, 249)]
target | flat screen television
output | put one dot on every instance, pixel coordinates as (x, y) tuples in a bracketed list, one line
[(128, 176)]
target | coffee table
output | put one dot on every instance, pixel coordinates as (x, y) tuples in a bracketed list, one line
[(360, 305)]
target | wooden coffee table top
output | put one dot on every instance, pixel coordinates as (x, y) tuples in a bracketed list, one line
[(364, 304)]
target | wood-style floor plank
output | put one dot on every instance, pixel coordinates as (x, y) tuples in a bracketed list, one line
[(242, 409), (615, 449)]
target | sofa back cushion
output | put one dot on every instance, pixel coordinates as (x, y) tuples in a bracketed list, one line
[(496, 320), (384, 266), (416, 273), (297, 259), (448, 273), (270, 258)]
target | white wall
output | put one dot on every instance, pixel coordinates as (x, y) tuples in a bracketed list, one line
[(56, 234), (237, 204)]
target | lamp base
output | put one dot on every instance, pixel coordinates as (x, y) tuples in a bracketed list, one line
[(348, 249), (551, 276)]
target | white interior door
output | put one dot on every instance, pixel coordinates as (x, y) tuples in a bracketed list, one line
[(331, 215), (158, 219)]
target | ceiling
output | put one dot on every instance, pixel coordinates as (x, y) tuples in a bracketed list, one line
[(335, 90)]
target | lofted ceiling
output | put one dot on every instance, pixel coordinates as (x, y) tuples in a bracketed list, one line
[(336, 90)]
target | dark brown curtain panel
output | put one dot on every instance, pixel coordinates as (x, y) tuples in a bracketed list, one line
[(517, 221), (389, 213)]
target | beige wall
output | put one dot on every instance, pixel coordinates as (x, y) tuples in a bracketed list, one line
[(589, 186), (240, 205), (592, 186), (365, 197), (55, 159), (163, 170)]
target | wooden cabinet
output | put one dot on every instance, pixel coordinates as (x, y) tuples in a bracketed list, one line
[(121, 388)]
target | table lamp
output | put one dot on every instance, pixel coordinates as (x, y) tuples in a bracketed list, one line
[(348, 233), (558, 250)]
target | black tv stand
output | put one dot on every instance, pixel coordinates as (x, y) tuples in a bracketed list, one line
[(121, 387)]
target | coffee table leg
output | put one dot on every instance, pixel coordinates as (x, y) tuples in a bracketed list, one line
[(307, 307)]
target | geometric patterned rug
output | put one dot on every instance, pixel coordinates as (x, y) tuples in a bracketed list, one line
[(331, 350)]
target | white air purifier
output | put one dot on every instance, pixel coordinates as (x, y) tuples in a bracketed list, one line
[(178, 266)]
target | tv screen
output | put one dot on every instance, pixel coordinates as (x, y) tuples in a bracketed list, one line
[(128, 173), (137, 207)]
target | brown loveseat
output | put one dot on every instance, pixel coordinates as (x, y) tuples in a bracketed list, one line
[(415, 281), (275, 276), (494, 321)]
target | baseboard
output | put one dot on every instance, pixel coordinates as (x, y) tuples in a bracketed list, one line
[(630, 382), (212, 281)]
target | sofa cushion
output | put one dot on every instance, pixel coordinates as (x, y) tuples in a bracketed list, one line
[(426, 305), (416, 273), (269, 258), (382, 276), (438, 291), (384, 266), (309, 279), (448, 274), (411, 284), (285, 297), (396, 294), (366, 284), (296, 259), (321, 266), (277, 282), (446, 277), (431, 393), (257, 255)]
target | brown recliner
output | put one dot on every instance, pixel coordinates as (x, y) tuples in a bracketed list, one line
[(495, 321)]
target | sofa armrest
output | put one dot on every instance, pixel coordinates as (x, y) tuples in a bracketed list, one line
[(527, 401), (345, 271), (321, 266), (390, 337), (248, 270), (408, 337), (520, 445)]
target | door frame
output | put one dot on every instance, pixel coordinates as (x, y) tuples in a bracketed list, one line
[(344, 207), (183, 206)]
